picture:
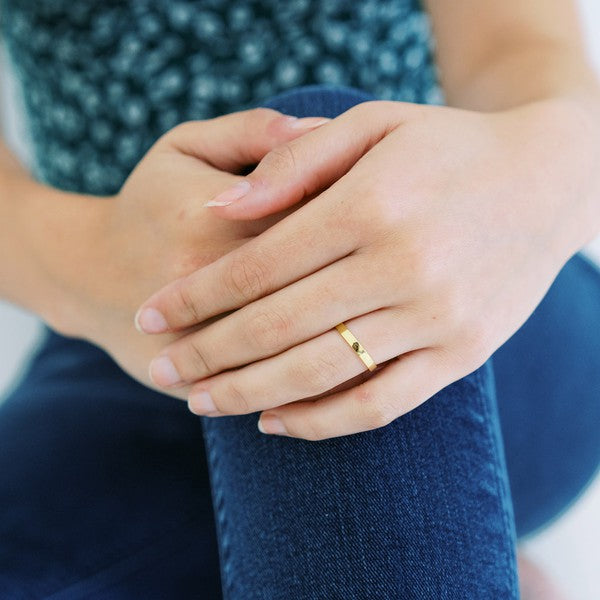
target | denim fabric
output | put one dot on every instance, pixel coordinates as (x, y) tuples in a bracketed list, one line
[(394, 508), (108, 490), (548, 388), (104, 488)]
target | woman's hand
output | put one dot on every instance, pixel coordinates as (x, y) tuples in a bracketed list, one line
[(103, 261), (438, 232)]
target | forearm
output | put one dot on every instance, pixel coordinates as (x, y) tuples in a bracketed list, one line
[(16, 260), (516, 75), (37, 227), (497, 55)]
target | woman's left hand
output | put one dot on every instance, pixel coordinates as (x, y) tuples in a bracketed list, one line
[(433, 234)]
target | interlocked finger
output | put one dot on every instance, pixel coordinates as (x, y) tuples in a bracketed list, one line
[(276, 322)]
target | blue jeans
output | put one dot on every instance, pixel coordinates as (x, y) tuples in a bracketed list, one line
[(110, 490)]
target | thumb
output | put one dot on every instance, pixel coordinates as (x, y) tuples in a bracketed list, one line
[(236, 140), (304, 166)]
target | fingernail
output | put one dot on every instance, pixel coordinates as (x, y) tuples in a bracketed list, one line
[(271, 424), (201, 403), (150, 320), (308, 122), (163, 372), (230, 195)]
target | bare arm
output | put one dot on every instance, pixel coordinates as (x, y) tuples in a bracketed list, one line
[(28, 228), (39, 226), (496, 55)]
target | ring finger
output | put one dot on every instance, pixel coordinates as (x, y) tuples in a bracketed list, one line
[(313, 367)]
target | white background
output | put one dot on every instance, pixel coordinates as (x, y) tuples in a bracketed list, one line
[(570, 549)]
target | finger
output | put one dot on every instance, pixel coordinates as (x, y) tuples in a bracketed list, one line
[(396, 389), (281, 320), (236, 140), (308, 164), (292, 248), (311, 368)]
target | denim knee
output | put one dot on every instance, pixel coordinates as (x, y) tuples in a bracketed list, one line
[(323, 100)]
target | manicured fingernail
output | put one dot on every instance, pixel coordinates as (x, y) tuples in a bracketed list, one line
[(308, 122), (271, 424), (201, 403), (150, 320), (230, 195), (163, 372)]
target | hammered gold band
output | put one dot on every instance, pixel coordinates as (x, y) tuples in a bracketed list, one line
[(356, 346)]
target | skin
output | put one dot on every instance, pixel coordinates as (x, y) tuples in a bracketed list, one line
[(429, 265), (85, 265), (522, 173), (444, 228)]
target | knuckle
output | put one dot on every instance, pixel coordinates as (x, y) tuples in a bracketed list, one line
[(181, 128), (201, 364), (310, 427), (376, 412), (371, 211), (385, 212), (379, 114), (236, 401), (247, 277), (262, 113), (254, 118), (187, 302), (364, 109), (318, 374), (423, 266), (267, 331), (280, 159), (471, 347), (386, 109), (313, 431), (181, 131)]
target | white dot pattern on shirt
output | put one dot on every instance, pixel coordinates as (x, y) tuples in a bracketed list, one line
[(103, 80)]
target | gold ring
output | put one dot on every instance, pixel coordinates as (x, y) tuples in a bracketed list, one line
[(356, 346)]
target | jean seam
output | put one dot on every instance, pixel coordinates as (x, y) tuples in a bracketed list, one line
[(218, 496), (498, 483)]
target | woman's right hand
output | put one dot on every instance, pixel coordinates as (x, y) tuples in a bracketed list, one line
[(103, 256)]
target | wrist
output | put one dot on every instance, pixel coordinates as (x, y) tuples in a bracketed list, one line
[(564, 134), (581, 115), (19, 275)]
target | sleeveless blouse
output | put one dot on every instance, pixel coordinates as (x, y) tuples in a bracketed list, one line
[(100, 81)]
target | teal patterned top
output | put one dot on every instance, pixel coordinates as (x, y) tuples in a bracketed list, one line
[(102, 80)]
